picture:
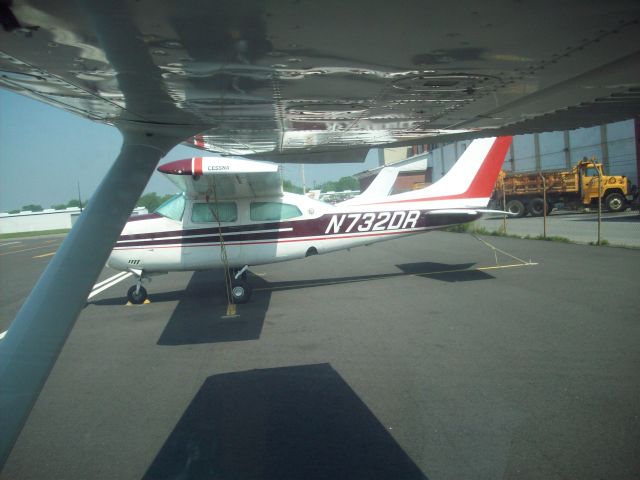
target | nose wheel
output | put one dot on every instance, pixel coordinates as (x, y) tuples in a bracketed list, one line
[(137, 294)]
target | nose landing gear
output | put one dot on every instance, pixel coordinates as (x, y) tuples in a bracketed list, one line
[(239, 288), (137, 294)]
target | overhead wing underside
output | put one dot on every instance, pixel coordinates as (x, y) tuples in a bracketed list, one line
[(325, 81)]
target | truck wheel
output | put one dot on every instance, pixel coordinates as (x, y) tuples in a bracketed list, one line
[(615, 202), (516, 207), (536, 207)]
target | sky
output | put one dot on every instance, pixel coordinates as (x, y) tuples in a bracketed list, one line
[(46, 151)]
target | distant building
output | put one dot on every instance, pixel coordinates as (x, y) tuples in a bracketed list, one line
[(615, 145), (413, 173), (48, 219)]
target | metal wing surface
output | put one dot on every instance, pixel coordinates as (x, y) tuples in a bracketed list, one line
[(224, 177), (325, 81)]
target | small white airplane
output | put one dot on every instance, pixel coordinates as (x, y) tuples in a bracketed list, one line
[(233, 214)]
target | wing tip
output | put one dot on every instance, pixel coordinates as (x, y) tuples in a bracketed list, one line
[(177, 167)]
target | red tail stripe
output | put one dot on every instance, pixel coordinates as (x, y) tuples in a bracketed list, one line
[(484, 181), (482, 184)]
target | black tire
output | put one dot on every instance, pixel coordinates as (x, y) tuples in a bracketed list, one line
[(516, 207), (615, 202), (240, 291), (138, 298), (536, 207)]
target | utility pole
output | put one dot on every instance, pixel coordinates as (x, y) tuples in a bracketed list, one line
[(79, 196)]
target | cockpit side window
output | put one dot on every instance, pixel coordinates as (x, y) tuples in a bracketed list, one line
[(214, 212), (173, 208), (267, 211)]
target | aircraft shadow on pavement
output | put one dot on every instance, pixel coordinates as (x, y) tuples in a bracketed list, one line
[(201, 313), (464, 272), (438, 271), (290, 423)]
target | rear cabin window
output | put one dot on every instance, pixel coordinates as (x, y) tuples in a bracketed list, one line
[(267, 211), (214, 212), (172, 208)]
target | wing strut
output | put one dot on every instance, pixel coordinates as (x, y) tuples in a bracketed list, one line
[(38, 333)]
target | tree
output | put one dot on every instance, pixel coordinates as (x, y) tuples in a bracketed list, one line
[(14, 211), (345, 183), (329, 186), (74, 202), (60, 206), (152, 200), (32, 207), (288, 186)]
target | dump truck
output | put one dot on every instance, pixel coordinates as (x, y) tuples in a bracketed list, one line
[(576, 188)]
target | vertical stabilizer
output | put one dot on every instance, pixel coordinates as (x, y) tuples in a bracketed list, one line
[(470, 181)]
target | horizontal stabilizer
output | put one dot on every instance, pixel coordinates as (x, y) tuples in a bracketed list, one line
[(468, 211)]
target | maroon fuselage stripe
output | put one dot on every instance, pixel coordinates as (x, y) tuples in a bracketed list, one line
[(300, 230), (305, 239)]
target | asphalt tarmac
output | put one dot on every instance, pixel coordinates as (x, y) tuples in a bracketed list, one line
[(415, 358)]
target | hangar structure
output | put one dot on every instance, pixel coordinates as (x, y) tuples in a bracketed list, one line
[(615, 145)]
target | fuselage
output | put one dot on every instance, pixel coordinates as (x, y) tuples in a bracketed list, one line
[(252, 231)]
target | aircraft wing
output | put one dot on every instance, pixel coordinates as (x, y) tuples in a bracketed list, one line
[(224, 177), (286, 81)]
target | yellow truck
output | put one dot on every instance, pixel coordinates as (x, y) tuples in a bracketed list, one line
[(575, 188)]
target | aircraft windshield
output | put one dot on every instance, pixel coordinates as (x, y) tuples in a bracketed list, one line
[(172, 208)]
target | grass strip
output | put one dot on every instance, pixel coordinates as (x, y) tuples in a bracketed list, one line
[(5, 236)]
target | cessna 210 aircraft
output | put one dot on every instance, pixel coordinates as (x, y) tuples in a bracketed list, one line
[(288, 81), (233, 213)]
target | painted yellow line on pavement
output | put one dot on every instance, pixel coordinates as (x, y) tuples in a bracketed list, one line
[(44, 255), (25, 250)]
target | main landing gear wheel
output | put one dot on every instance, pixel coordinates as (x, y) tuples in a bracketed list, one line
[(240, 291), (137, 294)]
